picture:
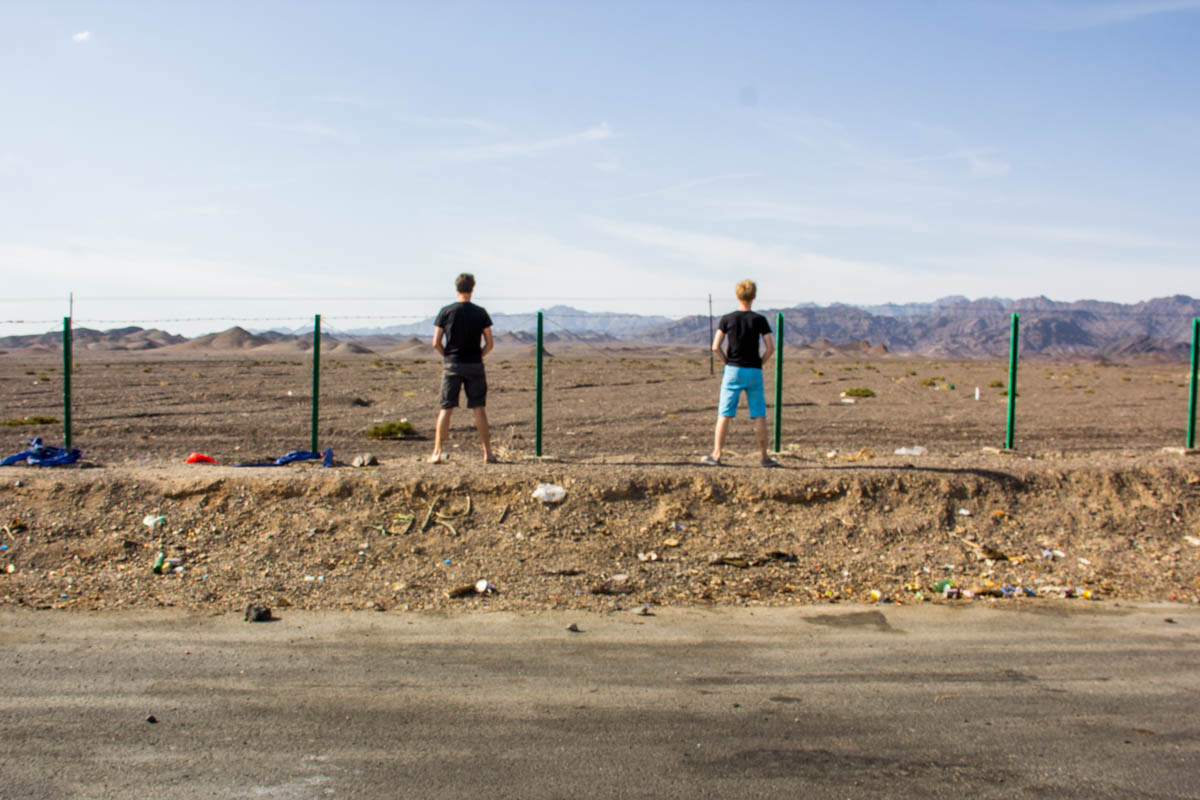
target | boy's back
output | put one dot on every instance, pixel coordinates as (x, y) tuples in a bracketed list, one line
[(464, 323), (742, 332)]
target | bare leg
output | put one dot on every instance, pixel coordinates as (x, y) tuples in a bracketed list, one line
[(481, 425), (760, 427), (441, 432), (719, 436)]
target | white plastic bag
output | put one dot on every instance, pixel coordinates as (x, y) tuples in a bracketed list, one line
[(549, 493), (911, 451)]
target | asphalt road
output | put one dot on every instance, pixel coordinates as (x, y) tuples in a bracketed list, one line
[(1061, 700)]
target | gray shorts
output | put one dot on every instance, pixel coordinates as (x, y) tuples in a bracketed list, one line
[(464, 376)]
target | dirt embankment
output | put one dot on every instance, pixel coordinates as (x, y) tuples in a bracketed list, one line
[(313, 538)]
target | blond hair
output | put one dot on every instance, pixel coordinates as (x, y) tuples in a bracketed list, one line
[(747, 290)]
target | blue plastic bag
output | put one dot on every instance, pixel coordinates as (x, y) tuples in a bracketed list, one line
[(43, 455), (295, 455)]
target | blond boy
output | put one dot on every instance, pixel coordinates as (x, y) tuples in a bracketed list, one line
[(740, 332)]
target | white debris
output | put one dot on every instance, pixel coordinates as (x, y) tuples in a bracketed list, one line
[(549, 493)]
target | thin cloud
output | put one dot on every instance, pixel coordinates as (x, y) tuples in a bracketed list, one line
[(692, 184), (343, 100), (984, 165), (128, 267), (579, 271), (481, 125), (699, 248), (833, 142), (195, 210), (1083, 15), (979, 160), (82, 36), (516, 256), (1018, 273), (791, 271), (816, 216), (463, 122), (319, 130), (1070, 235), (10, 163), (501, 150)]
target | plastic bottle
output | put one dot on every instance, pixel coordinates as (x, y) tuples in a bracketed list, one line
[(159, 560)]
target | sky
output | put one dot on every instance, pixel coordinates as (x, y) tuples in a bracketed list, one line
[(190, 166)]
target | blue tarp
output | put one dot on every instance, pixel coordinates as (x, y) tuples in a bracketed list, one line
[(43, 455), (295, 455)]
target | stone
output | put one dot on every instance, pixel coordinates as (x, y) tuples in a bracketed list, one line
[(257, 613)]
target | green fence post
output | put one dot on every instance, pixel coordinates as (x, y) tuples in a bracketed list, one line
[(1012, 380), (538, 434), (67, 382), (1191, 426), (779, 383), (316, 390)]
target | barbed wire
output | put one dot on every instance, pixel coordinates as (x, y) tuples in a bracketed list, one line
[(580, 315), (579, 339), (91, 321), (864, 322), (166, 320), (902, 310), (343, 336), (602, 315), (966, 313), (345, 299)]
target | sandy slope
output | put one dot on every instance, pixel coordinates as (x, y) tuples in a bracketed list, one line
[(342, 538)]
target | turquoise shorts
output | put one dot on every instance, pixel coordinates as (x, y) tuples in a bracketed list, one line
[(734, 381)]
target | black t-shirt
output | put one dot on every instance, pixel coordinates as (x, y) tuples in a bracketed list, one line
[(742, 329), (464, 324)]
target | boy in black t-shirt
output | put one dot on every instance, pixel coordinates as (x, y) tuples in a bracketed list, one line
[(456, 336), (743, 371)]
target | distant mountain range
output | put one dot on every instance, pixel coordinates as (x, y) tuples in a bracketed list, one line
[(955, 327), (555, 318), (952, 327)]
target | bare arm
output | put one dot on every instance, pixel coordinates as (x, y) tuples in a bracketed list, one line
[(718, 340), (488, 342), (769, 341), (439, 336)]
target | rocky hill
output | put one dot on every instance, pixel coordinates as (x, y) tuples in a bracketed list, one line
[(956, 327), (88, 339)]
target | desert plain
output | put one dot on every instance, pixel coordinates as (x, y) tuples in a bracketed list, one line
[(1087, 506)]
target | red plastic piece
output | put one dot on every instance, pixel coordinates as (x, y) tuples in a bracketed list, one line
[(200, 458)]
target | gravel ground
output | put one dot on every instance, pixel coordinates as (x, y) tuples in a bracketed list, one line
[(407, 535)]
